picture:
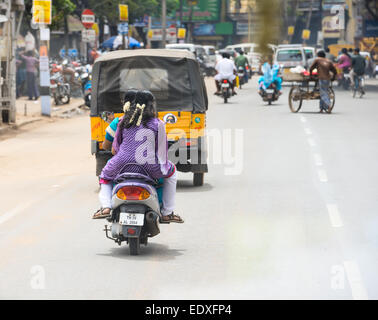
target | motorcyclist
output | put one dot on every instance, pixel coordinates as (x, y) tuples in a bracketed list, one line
[(270, 75), (358, 67), (226, 69), (344, 61), (242, 61)]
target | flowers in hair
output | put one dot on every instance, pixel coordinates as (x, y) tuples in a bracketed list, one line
[(126, 106)]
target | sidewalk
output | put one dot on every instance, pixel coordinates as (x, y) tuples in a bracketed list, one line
[(30, 111)]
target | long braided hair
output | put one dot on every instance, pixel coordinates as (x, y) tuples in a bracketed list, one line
[(138, 110), (139, 107)]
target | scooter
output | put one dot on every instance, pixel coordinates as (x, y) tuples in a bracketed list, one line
[(59, 90), (135, 216), (86, 84)]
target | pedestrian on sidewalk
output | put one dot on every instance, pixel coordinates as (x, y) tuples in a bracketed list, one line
[(31, 74), (324, 68)]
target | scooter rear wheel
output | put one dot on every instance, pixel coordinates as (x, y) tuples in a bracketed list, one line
[(134, 244)]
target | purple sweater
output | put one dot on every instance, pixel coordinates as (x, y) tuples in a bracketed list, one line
[(30, 63), (146, 145)]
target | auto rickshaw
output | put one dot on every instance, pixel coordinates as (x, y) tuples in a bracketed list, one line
[(174, 77)]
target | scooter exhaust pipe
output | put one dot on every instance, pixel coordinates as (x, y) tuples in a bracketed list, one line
[(152, 219)]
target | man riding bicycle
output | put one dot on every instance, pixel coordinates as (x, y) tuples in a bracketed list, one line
[(358, 67)]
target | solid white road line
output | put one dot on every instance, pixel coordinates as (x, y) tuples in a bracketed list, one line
[(355, 281), (334, 215)]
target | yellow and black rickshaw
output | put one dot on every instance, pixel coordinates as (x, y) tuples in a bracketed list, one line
[(174, 77)]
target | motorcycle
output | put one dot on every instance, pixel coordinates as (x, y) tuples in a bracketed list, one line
[(270, 83), (226, 90), (135, 216), (241, 75), (270, 94), (87, 88), (59, 90), (346, 80)]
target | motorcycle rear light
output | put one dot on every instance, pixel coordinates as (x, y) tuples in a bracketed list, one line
[(225, 81), (131, 231), (133, 193)]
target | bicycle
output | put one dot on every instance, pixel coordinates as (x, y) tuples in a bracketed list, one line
[(358, 85)]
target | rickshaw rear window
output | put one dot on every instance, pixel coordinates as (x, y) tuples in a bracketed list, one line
[(168, 81)]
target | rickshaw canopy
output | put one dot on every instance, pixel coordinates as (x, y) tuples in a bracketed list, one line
[(173, 76)]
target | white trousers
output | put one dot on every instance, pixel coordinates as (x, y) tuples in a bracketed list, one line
[(169, 195), (220, 77)]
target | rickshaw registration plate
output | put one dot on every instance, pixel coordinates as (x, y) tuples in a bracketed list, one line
[(131, 219)]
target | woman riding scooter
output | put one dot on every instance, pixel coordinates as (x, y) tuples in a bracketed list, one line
[(140, 131)]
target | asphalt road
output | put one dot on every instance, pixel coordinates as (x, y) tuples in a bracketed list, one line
[(289, 210)]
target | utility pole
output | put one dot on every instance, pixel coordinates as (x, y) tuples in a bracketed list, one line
[(181, 5), (190, 24), (309, 18), (11, 12), (164, 22)]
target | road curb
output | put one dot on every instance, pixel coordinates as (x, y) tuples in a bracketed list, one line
[(16, 126)]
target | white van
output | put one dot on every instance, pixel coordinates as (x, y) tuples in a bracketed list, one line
[(197, 49), (212, 58), (289, 56)]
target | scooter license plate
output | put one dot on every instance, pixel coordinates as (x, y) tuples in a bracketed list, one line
[(131, 219), (225, 85), (241, 75), (269, 91), (53, 86)]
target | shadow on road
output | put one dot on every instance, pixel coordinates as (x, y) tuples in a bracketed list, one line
[(153, 252), (187, 186), (318, 113)]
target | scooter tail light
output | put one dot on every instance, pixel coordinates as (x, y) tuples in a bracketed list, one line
[(225, 81), (133, 193)]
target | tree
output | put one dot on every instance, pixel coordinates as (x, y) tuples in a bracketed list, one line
[(60, 9)]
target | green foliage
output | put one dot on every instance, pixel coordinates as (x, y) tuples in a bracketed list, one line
[(60, 8)]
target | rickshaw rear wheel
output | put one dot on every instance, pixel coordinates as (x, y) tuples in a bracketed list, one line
[(294, 91), (332, 98), (198, 179)]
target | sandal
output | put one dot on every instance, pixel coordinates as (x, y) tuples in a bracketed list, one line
[(172, 218), (100, 214)]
